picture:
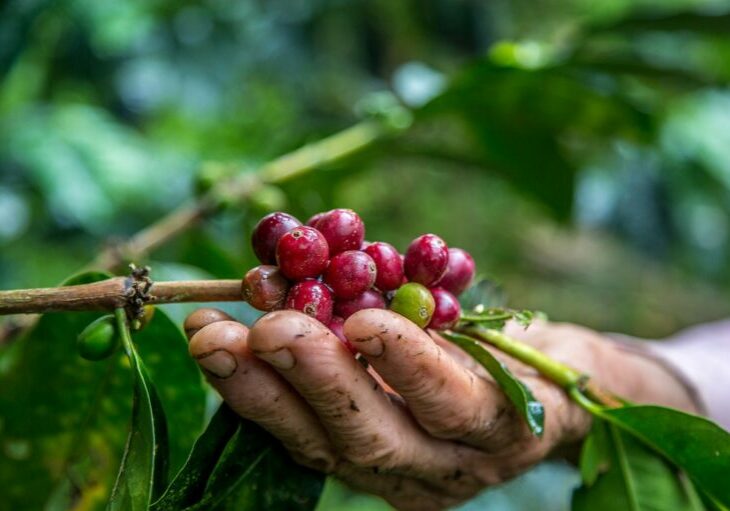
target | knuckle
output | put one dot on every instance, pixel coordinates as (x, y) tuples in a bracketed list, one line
[(451, 423), (378, 455)]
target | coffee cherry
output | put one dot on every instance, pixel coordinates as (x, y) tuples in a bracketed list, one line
[(302, 253), (312, 222), (99, 339), (426, 259), (312, 298), (370, 299), (388, 263), (267, 233), (350, 274), (265, 288), (459, 272), (148, 312), (337, 326), (203, 317), (343, 229), (447, 310), (415, 302)]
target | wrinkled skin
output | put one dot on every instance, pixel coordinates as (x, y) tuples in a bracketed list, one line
[(424, 427)]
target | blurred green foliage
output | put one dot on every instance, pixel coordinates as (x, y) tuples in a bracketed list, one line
[(579, 149)]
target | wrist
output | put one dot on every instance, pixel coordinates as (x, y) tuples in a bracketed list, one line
[(641, 377)]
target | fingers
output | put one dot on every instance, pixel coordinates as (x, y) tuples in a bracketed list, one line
[(448, 400), (202, 317), (254, 391), (364, 425)]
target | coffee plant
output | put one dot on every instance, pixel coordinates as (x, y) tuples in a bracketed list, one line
[(108, 355)]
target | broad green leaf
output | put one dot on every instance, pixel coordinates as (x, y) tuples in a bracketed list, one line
[(696, 445), (143, 470), (635, 478), (236, 465), (162, 346), (519, 394), (595, 455), (695, 21), (64, 419), (268, 480), (189, 484)]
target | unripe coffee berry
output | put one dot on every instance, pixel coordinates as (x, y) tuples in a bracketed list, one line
[(312, 298), (267, 233), (302, 253), (426, 259), (337, 326), (459, 272), (447, 310), (343, 229), (203, 317), (265, 288), (99, 339), (415, 302), (370, 299), (388, 263), (350, 274)]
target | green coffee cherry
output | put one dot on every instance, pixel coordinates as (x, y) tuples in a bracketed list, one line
[(99, 339), (140, 323), (415, 302)]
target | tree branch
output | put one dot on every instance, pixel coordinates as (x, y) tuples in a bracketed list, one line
[(114, 293)]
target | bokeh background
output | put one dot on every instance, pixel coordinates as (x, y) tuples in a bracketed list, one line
[(579, 149)]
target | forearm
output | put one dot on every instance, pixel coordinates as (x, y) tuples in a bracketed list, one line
[(696, 359)]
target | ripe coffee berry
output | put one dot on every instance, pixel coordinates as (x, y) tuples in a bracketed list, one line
[(350, 274), (302, 253), (426, 259), (388, 263), (343, 229), (370, 299), (459, 272), (312, 298), (267, 233), (446, 311), (414, 302), (265, 288), (314, 219), (337, 326)]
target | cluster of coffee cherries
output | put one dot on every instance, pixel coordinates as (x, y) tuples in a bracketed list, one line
[(328, 271)]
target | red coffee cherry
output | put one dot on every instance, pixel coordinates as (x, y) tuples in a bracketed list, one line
[(350, 274), (426, 259), (343, 229), (267, 233), (388, 263), (447, 310), (302, 253), (265, 288), (370, 299), (336, 325), (459, 272), (312, 298), (314, 219)]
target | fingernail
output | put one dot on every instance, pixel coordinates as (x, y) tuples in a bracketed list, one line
[(371, 346), (219, 363), (281, 358)]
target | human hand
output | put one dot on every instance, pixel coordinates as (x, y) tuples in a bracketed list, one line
[(424, 427)]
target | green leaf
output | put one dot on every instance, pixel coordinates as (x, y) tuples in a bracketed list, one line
[(519, 394), (143, 470), (64, 418), (236, 465), (269, 480), (595, 455), (634, 478), (189, 484), (696, 445)]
